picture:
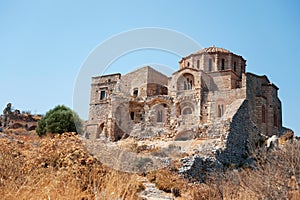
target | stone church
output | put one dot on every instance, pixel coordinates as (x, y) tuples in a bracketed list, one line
[(211, 95)]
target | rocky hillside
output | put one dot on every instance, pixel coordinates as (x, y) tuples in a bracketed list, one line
[(60, 167)]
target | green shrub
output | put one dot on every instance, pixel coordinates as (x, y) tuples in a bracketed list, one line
[(59, 120)]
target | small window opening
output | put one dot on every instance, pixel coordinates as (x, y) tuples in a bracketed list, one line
[(187, 111), (198, 64), (220, 110), (158, 90), (135, 92), (188, 64), (188, 84), (109, 80), (210, 65), (102, 95), (132, 115), (234, 66), (159, 116), (223, 64)]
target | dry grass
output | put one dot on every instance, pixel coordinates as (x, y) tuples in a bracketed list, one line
[(58, 167), (275, 177)]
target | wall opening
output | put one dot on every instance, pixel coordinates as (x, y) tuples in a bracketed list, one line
[(102, 95), (188, 84), (185, 82), (210, 65), (198, 64), (159, 116), (220, 110), (187, 111), (234, 66), (223, 64), (135, 92), (100, 129), (132, 115)]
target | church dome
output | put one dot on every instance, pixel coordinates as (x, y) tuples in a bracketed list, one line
[(213, 49)]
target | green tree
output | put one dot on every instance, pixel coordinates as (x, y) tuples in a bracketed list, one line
[(59, 120)]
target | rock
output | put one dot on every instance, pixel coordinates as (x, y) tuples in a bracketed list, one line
[(151, 192), (272, 142), (196, 167)]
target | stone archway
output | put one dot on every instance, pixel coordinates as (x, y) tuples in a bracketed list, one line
[(185, 81), (187, 108), (187, 112), (100, 130), (17, 125), (32, 128)]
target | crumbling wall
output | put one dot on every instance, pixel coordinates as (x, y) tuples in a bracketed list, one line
[(229, 143), (242, 136), (13, 119)]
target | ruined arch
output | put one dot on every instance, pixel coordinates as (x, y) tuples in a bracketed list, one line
[(32, 128), (17, 125), (187, 111), (100, 130), (122, 123), (187, 108), (121, 116)]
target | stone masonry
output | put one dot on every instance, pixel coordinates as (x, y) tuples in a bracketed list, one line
[(210, 96), (13, 119)]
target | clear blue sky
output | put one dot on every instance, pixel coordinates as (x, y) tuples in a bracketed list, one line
[(44, 43)]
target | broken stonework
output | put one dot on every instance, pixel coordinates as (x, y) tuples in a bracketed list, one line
[(15, 119), (208, 86), (211, 98), (196, 167)]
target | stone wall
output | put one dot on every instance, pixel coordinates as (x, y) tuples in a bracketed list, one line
[(140, 80), (243, 134), (194, 96), (231, 140), (263, 94)]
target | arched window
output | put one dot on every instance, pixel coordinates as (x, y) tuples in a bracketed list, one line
[(198, 64), (188, 84), (159, 116), (187, 111), (188, 64), (223, 64), (185, 82), (234, 66), (132, 115), (210, 65), (135, 92), (220, 110), (185, 85)]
